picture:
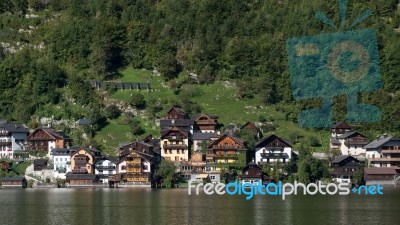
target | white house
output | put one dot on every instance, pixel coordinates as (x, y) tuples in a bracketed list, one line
[(61, 158), (273, 149), (12, 139), (352, 143), (106, 167), (384, 152)]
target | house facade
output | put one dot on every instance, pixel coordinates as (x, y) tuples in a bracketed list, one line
[(381, 175), (83, 161), (61, 158), (138, 167), (45, 139), (344, 167), (204, 123), (201, 140), (273, 149), (252, 174), (252, 128), (228, 150), (175, 145), (14, 182), (340, 128), (384, 152), (352, 143), (106, 168), (12, 139)]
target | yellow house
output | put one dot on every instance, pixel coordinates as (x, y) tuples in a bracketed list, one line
[(83, 160), (175, 145)]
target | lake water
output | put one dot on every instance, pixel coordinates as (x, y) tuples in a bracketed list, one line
[(175, 206)]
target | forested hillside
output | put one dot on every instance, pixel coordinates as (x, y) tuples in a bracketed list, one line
[(50, 47)]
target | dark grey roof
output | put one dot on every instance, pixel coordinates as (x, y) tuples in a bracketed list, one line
[(13, 178), (14, 127), (380, 141), (84, 122), (40, 162), (335, 141), (71, 176), (202, 136), (63, 151), (340, 158), (380, 171), (348, 134), (340, 123), (176, 123)]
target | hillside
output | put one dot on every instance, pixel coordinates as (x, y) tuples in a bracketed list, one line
[(223, 57)]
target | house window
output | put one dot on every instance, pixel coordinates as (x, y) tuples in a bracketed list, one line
[(212, 177)]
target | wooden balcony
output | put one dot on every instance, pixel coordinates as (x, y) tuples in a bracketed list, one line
[(274, 155), (384, 159), (2, 143), (231, 156), (390, 151), (356, 142)]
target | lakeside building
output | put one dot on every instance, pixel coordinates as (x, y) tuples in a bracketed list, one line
[(273, 149), (253, 173), (61, 158), (14, 182), (381, 175), (344, 167), (352, 143), (106, 168), (384, 152), (205, 123), (12, 139)]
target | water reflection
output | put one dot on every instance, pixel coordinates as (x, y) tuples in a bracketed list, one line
[(145, 206)]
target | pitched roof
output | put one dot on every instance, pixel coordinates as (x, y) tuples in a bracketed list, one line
[(164, 133), (12, 178), (176, 123), (236, 139), (40, 162), (53, 133), (335, 141), (380, 141), (63, 151), (380, 171), (340, 158), (344, 124), (14, 127), (71, 176), (109, 158), (349, 134), (274, 136)]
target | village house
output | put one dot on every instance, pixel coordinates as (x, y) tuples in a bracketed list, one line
[(83, 161), (344, 167), (81, 180), (45, 139), (253, 173), (178, 118), (13, 182), (340, 128), (253, 129), (12, 139), (273, 149), (106, 168), (204, 123), (384, 152), (138, 167), (175, 145), (61, 158), (352, 143), (227, 150)]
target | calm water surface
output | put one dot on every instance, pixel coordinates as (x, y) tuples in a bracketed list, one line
[(175, 206)]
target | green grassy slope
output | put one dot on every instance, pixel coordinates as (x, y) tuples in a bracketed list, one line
[(218, 98)]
